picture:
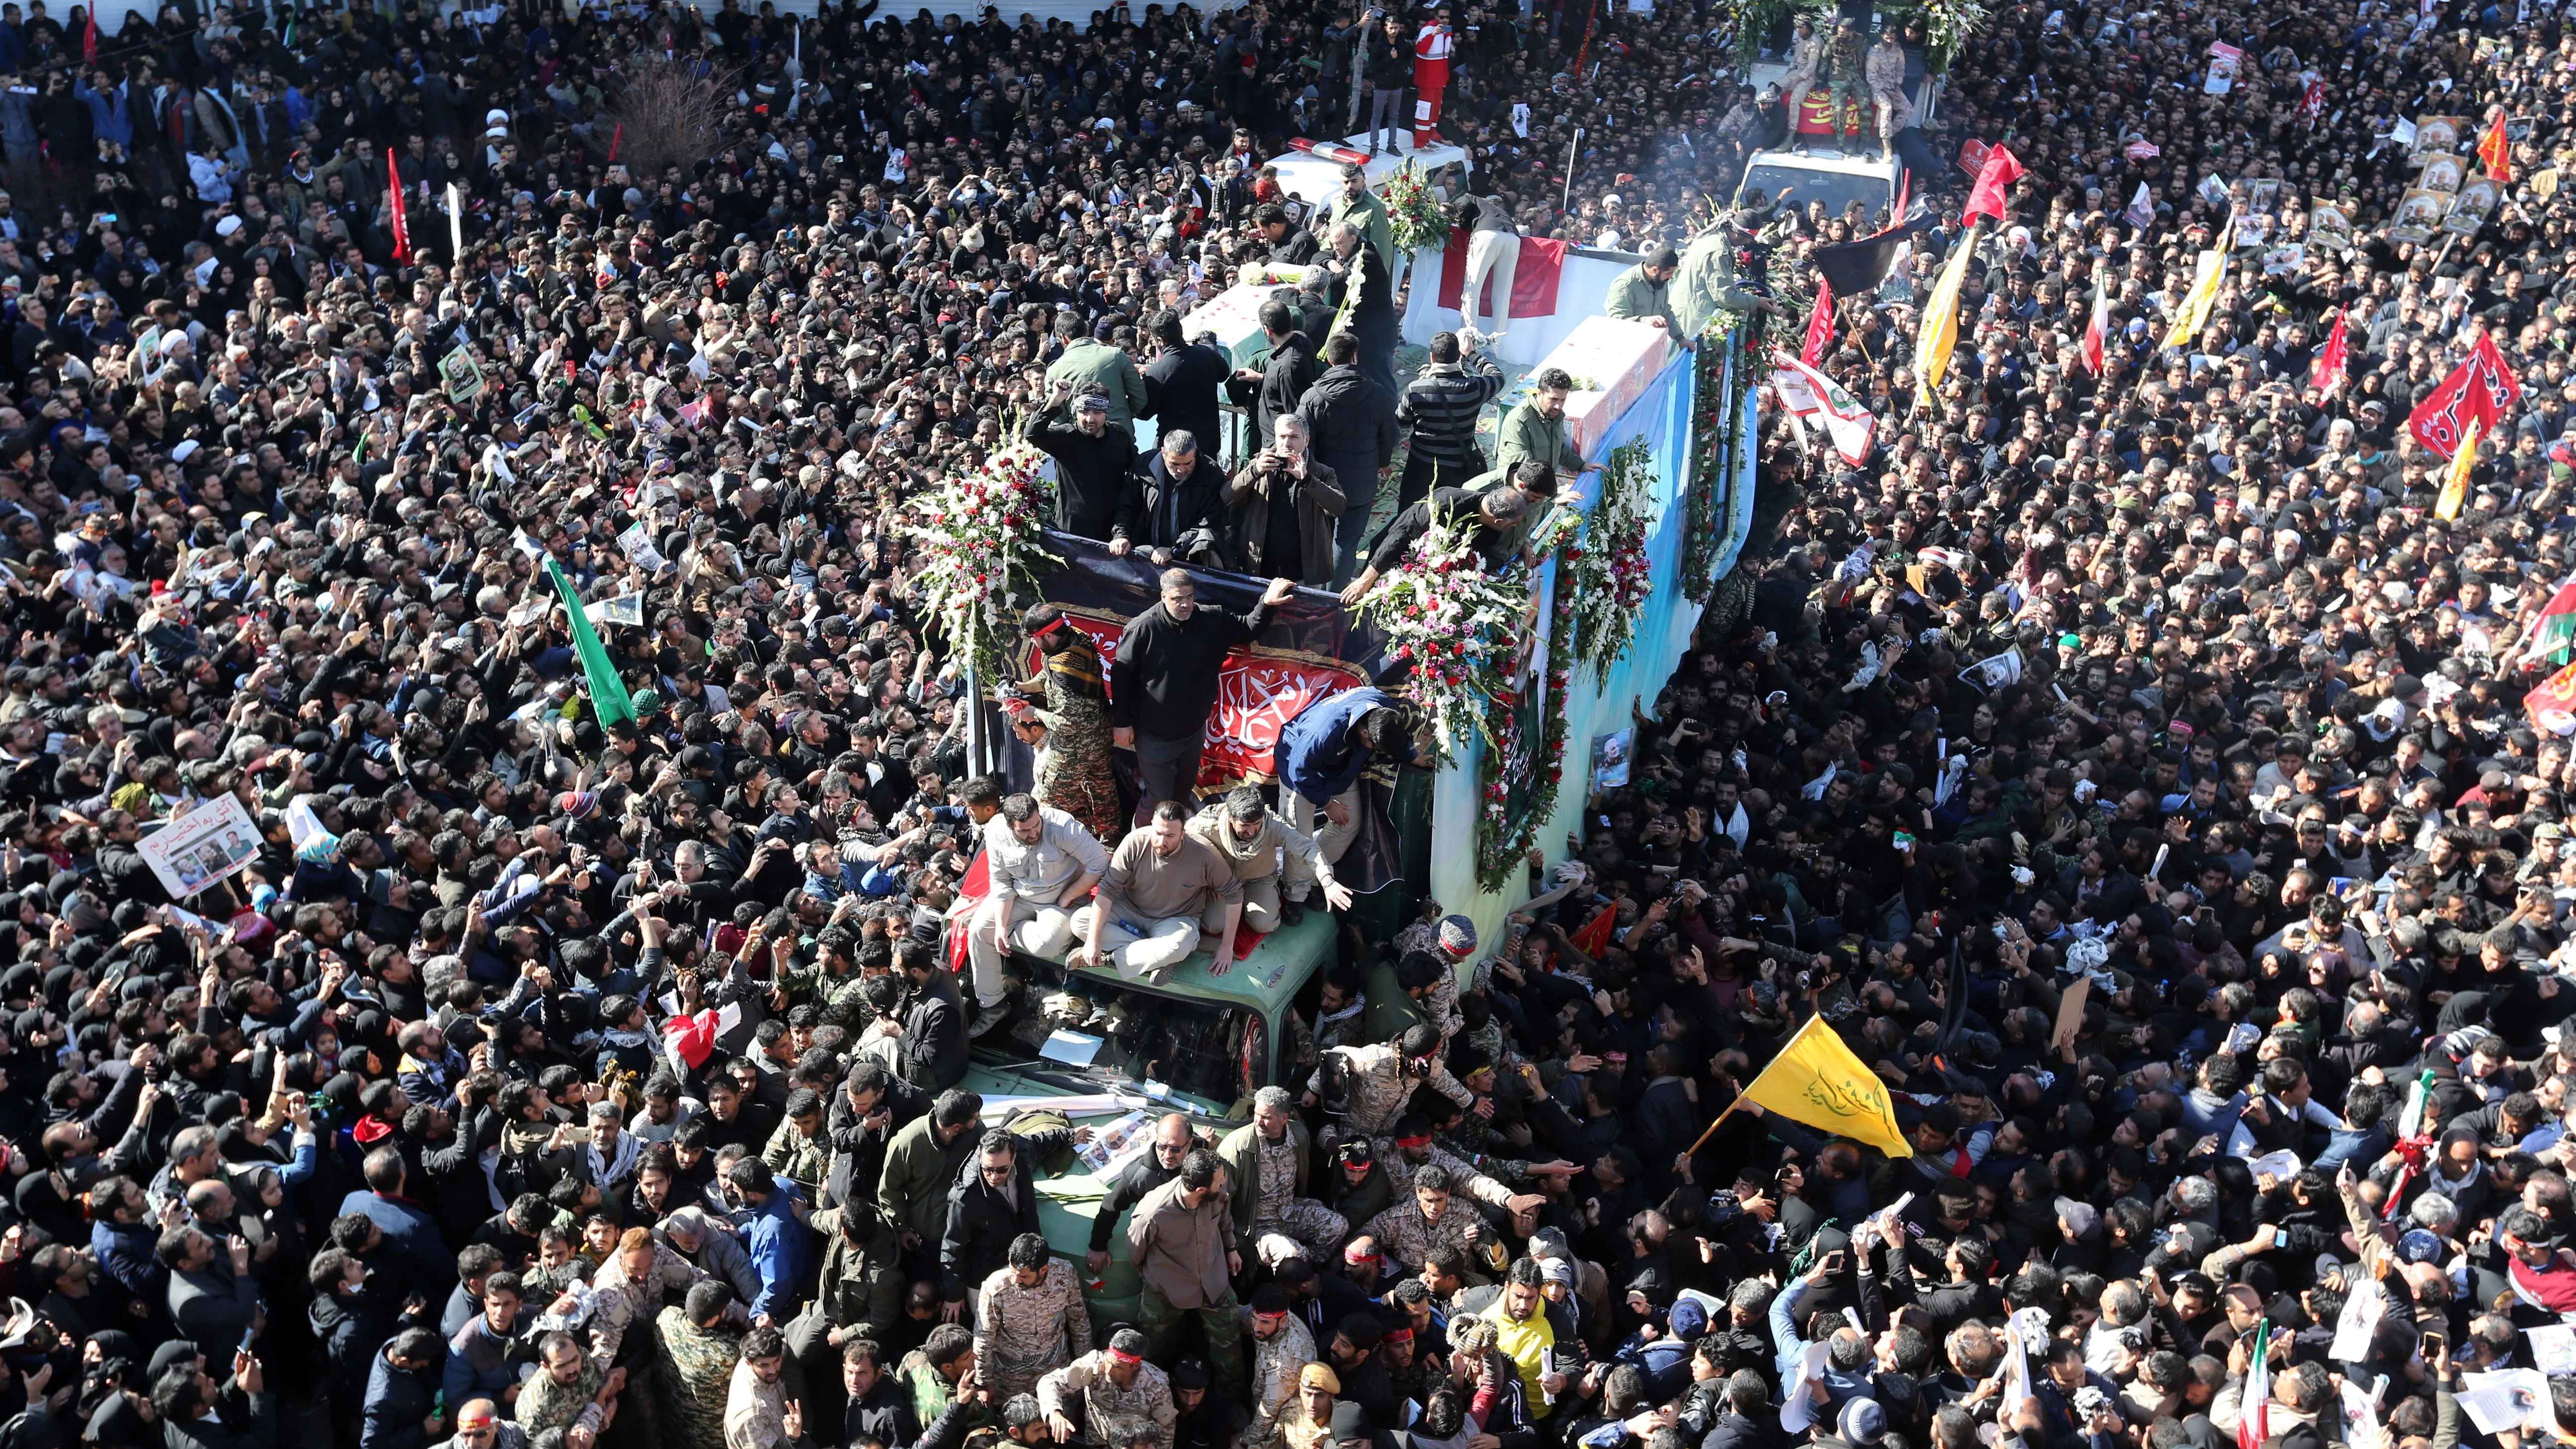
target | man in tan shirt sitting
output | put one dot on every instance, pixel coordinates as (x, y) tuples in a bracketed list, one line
[(1270, 857), (1163, 892)]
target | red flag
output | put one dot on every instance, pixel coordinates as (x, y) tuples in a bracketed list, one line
[(402, 223), (1541, 266), (2497, 152), (1987, 199), (2553, 702), (1593, 936), (2097, 332), (89, 38), (2330, 363), (614, 140), (1820, 325), (2481, 389)]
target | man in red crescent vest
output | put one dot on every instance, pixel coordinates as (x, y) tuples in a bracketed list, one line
[(1430, 77)]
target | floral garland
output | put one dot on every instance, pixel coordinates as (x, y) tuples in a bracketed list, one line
[(1503, 840), (1455, 624), (1717, 404), (1413, 213), (980, 534), (1611, 577)]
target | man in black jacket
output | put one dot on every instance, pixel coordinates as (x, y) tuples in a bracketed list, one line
[(1273, 388), (1092, 463), (1440, 406), (1165, 679), (1181, 382), (993, 1203), (931, 1043), (1350, 421), (1362, 289), (1174, 506), (1497, 513)]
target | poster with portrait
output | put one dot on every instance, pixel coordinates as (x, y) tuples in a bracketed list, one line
[(2263, 196), (2419, 215), (2253, 231), (2286, 259), (209, 842), (2470, 209), (2442, 173), (2438, 133), (2330, 226)]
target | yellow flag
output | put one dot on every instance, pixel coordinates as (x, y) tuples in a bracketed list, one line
[(1940, 330), (2455, 483), (2204, 289), (1816, 1080)]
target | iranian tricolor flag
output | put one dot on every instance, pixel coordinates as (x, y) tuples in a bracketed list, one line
[(2252, 1427), (2553, 634), (2097, 332)]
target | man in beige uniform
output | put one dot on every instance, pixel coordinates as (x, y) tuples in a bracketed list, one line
[(1163, 892), (1271, 858), (1379, 1078), (1029, 1319)]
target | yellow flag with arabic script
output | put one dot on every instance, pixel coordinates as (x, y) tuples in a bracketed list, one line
[(1940, 328), (1816, 1080), (2204, 289)]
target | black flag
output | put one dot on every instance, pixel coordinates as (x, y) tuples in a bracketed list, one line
[(1855, 269)]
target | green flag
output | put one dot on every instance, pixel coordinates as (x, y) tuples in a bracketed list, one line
[(608, 698)]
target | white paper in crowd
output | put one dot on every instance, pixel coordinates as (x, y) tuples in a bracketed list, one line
[(2363, 1308), (2361, 1426), (302, 824), (1796, 1412), (1547, 1366), (2507, 1399), (2553, 1348), (2282, 1165)]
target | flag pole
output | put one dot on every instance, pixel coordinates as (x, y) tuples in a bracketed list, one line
[(1566, 201), (1713, 1126)]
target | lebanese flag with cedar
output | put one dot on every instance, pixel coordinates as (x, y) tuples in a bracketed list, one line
[(1542, 264)]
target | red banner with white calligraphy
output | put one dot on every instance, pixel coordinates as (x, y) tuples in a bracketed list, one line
[(2480, 388)]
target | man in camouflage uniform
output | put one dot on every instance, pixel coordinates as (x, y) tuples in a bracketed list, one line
[(800, 1150), (1847, 77), (1411, 1148), (1109, 1387), (1423, 1219), (1377, 1079), (1029, 1319), (940, 1377), (1282, 1350), (1265, 1160), (1886, 73), (1806, 64), (696, 1351)]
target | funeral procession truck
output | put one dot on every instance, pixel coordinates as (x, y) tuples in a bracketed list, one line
[(1116, 1054)]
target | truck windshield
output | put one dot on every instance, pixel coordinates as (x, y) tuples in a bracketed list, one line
[(1216, 1051), (1836, 189)]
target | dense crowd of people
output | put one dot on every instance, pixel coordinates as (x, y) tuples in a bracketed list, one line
[(541, 1076)]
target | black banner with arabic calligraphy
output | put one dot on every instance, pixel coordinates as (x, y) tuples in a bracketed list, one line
[(1311, 648)]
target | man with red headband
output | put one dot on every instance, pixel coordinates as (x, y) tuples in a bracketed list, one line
[(1424, 1219), (1282, 1352), (1374, 1081), (1108, 1386), (1412, 1149)]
